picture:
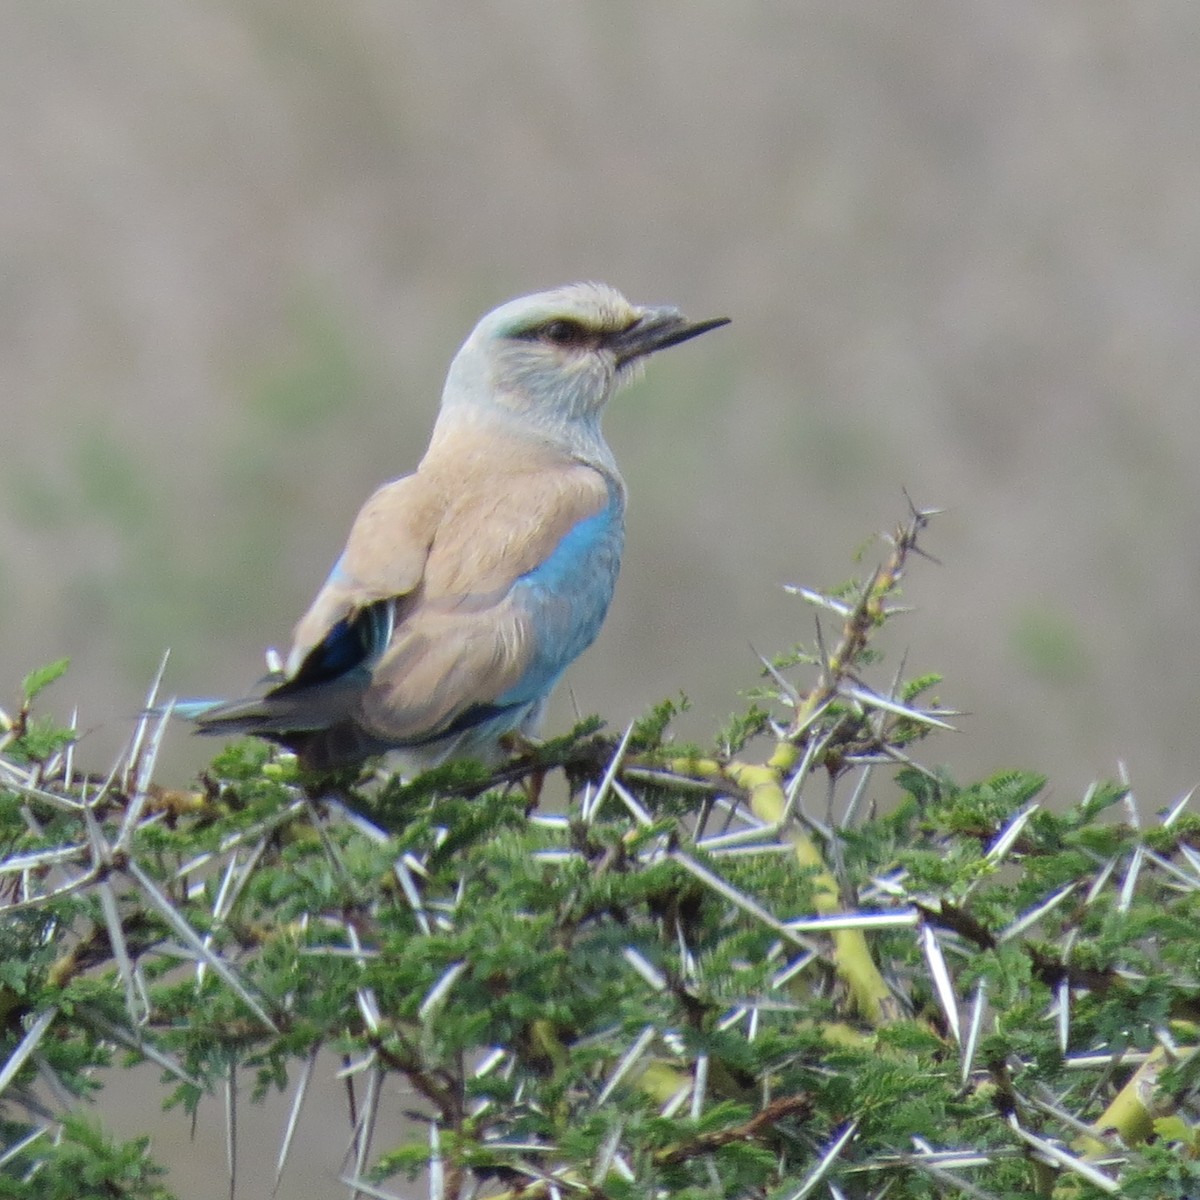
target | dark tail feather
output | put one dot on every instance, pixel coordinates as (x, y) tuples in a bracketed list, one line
[(316, 722)]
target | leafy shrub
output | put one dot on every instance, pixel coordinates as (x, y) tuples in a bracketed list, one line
[(717, 972)]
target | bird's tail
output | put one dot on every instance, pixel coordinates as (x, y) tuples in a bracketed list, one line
[(316, 722), (263, 716)]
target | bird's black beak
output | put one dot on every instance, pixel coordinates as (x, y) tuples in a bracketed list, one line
[(656, 329)]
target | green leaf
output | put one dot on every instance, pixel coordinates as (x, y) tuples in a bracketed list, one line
[(43, 677)]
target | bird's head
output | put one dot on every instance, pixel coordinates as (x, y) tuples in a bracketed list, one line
[(555, 358)]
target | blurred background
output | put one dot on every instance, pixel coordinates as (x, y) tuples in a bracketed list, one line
[(960, 243)]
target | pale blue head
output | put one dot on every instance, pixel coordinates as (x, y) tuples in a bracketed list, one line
[(554, 359)]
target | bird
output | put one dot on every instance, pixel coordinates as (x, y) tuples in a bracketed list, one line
[(467, 587)]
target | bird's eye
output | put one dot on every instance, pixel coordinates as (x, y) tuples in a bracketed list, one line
[(563, 332)]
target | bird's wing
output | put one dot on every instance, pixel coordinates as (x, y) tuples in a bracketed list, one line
[(384, 559), (516, 585)]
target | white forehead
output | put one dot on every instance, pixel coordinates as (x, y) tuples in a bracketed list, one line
[(592, 304)]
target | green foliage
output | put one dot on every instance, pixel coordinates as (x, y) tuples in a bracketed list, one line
[(741, 728), (618, 996), (40, 739), (35, 739), (650, 730), (37, 680), (81, 1164)]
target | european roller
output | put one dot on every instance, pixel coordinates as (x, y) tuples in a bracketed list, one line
[(467, 588)]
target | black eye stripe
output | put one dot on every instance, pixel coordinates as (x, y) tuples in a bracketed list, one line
[(564, 332)]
